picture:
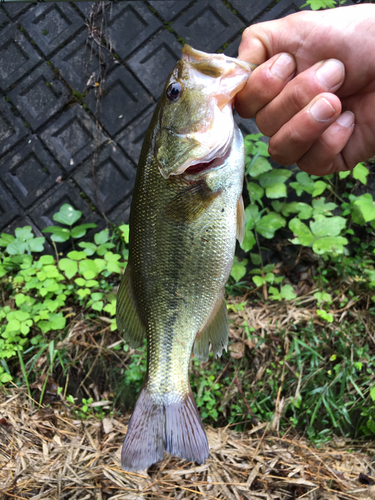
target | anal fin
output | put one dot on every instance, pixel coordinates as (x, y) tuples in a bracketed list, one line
[(215, 332), (127, 316)]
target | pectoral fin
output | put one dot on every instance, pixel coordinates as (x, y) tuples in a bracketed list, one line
[(215, 333), (127, 316), (240, 220), (190, 203)]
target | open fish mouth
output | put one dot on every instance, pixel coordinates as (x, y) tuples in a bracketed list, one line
[(205, 167)]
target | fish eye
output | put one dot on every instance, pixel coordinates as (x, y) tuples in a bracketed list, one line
[(174, 91)]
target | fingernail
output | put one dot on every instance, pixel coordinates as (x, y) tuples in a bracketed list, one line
[(346, 119), (322, 110), (284, 66), (331, 74)]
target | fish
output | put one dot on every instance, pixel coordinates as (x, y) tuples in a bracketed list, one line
[(186, 213)]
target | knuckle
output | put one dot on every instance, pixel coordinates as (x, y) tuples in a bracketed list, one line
[(298, 97), (277, 154), (265, 123)]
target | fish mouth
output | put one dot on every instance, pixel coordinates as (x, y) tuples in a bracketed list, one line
[(205, 167)]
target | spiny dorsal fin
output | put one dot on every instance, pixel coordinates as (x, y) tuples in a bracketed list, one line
[(215, 332), (127, 317), (190, 203), (240, 220)]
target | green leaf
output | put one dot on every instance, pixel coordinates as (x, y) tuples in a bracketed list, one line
[(21, 315), (330, 245), (75, 255), (97, 306), (343, 175), (269, 224), (96, 296), (16, 248), (323, 297), (69, 266), (114, 267), (319, 188), (260, 166), (5, 239), (101, 237), (238, 269), (324, 315), (5, 377), (305, 180), (67, 215), (274, 293), (277, 176), (297, 187), (47, 259), (36, 244), (287, 292), (88, 269), (372, 393), (80, 281), (320, 4), (364, 209), (51, 305), (101, 264), (91, 283), (83, 292), (24, 233), (255, 191), (278, 205), (57, 321), (360, 173), (102, 249), (303, 209), (251, 215), (59, 234), (124, 228), (327, 226), (269, 277), (249, 241), (302, 232), (258, 280), (79, 231), (13, 325), (256, 259), (321, 207), (89, 248), (277, 190)]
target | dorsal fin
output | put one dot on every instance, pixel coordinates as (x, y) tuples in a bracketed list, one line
[(215, 332), (127, 316)]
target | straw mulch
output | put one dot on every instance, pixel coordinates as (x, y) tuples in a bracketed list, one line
[(47, 454)]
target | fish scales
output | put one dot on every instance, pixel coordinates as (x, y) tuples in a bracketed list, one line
[(185, 214)]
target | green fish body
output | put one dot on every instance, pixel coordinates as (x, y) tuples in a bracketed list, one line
[(186, 213)]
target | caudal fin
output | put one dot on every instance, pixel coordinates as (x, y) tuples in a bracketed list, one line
[(155, 428)]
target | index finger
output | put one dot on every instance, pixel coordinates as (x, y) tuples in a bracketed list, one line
[(261, 41)]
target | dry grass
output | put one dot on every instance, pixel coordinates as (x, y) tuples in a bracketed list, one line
[(46, 454)]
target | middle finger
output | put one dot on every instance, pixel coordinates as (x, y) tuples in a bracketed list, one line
[(325, 76)]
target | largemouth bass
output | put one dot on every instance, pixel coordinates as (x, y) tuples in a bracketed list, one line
[(186, 212)]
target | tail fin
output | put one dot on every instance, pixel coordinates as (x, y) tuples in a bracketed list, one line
[(176, 428)]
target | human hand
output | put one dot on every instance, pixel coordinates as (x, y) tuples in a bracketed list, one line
[(314, 91)]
